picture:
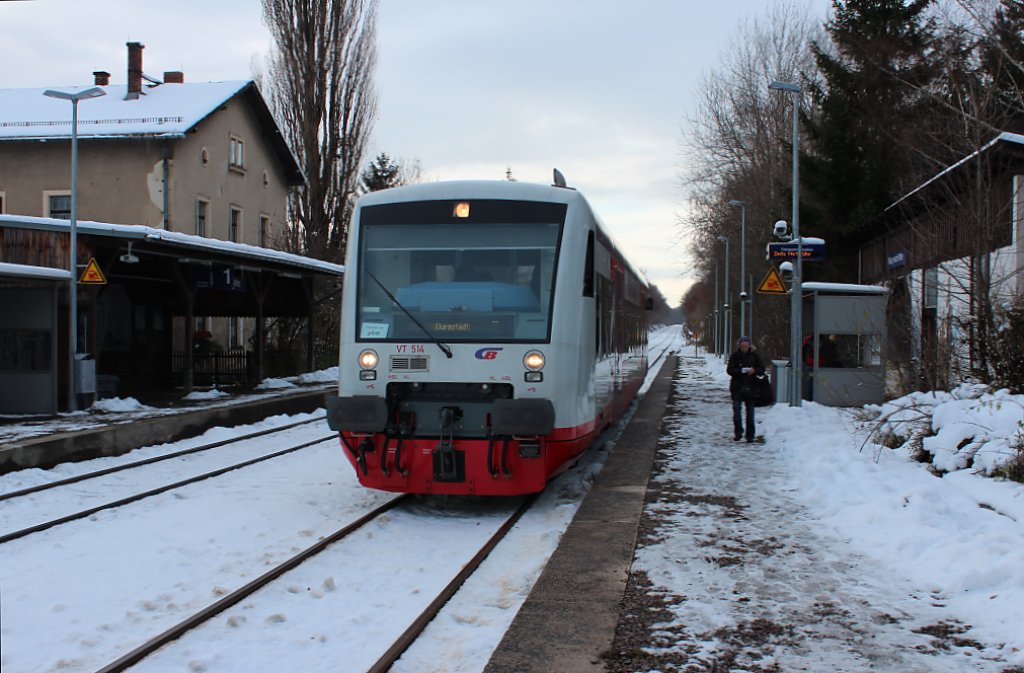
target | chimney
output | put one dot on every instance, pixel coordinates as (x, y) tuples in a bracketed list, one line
[(174, 77), (134, 70), (102, 77)]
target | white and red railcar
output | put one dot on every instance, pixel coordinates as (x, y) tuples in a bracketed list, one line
[(489, 332)]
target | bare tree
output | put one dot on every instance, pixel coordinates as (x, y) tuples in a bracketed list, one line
[(321, 79), (735, 147)]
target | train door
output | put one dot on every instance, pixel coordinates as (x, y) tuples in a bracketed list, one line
[(618, 330)]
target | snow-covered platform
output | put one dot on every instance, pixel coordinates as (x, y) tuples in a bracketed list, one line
[(111, 430), (569, 619)]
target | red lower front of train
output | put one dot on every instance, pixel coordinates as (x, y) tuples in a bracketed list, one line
[(494, 466), (462, 438)]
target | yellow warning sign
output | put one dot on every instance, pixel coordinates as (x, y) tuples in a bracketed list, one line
[(92, 274), (772, 283)]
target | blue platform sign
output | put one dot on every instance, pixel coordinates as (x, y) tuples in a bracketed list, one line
[(812, 251), (896, 259)]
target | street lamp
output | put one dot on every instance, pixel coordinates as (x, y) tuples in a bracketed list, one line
[(74, 97), (717, 334), (727, 342), (795, 327), (742, 205)]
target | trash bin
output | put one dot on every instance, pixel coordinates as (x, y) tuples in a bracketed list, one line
[(85, 374), (780, 379)]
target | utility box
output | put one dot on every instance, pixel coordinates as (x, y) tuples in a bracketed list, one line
[(85, 374)]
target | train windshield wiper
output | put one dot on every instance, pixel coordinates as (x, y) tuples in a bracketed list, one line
[(444, 348)]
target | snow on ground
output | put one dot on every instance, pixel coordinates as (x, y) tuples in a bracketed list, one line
[(876, 546), (820, 550), (126, 410), (139, 569)]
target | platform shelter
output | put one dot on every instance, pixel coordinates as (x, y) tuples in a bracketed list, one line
[(138, 325), (841, 347)]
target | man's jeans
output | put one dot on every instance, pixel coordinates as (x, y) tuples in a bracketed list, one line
[(737, 420)]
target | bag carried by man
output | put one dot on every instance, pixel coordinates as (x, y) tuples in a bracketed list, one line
[(758, 391)]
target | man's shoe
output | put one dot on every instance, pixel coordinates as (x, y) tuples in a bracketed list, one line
[(737, 438), (750, 440)]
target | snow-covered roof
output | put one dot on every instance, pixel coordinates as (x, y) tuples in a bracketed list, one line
[(1004, 137), (161, 111), (843, 287), (139, 232), (26, 271), (168, 110)]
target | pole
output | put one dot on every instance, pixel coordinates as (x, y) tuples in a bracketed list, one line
[(743, 255), (73, 293), (726, 311), (717, 351), (94, 92), (795, 326), (797, 299)]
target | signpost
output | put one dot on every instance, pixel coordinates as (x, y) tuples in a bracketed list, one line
[(813, 250)]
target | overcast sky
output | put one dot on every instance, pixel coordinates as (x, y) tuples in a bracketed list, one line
[(469, 88)]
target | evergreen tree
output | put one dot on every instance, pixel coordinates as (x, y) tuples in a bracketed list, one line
[(382, 173), (1003, 60), (861, 136)]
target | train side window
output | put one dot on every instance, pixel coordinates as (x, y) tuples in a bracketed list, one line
[(588, 267)]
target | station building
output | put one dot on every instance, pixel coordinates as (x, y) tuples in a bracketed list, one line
[(182, 195)]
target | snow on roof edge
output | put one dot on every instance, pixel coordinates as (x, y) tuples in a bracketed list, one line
[(138, 231)]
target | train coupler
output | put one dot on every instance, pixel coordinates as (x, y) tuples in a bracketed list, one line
[(449, 462)]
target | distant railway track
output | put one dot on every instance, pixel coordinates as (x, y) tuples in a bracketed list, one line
[(149, 461), (29, 530), (398, 646)]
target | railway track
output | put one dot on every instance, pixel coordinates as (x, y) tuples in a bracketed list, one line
[(84, 513), (149, 461), (392, 652)]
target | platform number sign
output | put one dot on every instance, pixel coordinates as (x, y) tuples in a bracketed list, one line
[(222, 277)]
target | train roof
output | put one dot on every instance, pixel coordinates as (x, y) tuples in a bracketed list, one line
[(493, 189)]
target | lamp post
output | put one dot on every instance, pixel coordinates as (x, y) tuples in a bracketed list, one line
[(74, 97), (727, 341), (717, 340), (795, 326), (742, 205)]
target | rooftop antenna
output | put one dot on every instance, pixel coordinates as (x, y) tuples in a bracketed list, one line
[(559, 179)]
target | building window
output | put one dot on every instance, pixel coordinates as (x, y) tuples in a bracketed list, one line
[(264, 229), (57, 205), (235, 225), (931, 287), (234, 332), (3, 199), (237, 155), (202, 216), (204, 156), (25, 350)]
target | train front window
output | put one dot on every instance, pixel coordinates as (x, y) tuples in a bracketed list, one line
[(461, 281)]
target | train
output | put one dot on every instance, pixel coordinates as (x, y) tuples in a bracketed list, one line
[(490, 330)]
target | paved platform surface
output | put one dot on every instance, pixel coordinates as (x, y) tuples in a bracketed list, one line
[(568, 621)]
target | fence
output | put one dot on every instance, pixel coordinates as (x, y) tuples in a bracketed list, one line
[(214, 368)]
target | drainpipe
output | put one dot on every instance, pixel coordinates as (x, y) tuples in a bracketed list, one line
[(166, 185)]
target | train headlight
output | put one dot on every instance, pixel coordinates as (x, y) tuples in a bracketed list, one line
[(368, 359), (534, 361)]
